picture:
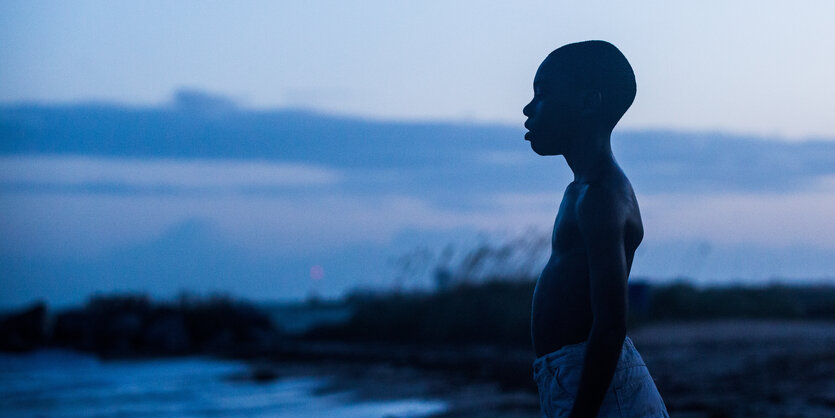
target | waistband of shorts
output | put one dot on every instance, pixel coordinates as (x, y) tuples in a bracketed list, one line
[(573, 354)]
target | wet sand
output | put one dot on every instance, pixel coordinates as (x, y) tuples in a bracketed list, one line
[(702, 369), (463, 396), (742, 368)]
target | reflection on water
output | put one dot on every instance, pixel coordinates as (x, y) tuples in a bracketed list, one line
[(62, 384)]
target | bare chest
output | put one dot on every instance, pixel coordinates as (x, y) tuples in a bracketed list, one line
[(565, 236)]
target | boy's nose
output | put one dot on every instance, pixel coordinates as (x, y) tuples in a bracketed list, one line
[(526, 110)]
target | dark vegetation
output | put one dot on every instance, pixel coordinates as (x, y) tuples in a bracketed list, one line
[(481, 329), (682, 301), (474, 329), (491, 312), (474, 324), (483, 296), (498, 312), (127, 325)]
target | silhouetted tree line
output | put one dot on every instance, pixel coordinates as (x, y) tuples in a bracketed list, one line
[(131, 325), (498, 311), (683, 301), (483, 295), (494, 312)]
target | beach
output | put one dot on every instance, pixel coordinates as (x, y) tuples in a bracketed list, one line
[(721, 368), (702, 369)]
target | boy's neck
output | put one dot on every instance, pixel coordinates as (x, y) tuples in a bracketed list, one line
[(589, 155)]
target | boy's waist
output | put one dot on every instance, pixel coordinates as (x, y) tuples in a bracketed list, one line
[(572, 355)]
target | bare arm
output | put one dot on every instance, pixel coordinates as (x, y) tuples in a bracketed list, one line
[(601, 220)]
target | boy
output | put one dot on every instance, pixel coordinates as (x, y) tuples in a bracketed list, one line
[(586, 366)]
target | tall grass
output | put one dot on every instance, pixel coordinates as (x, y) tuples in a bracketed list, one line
[(498, 311)]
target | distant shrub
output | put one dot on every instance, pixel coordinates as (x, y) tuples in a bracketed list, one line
[(118, 302), (498, 311), (683, 301), (499, 258), (130, 324)]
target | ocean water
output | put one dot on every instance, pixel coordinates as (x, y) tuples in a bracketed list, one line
[(56, 383)]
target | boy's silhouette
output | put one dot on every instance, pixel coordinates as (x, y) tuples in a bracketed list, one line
[(585, 362)]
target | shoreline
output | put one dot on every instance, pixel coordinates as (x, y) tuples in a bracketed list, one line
[(735, 367), (382, 382)]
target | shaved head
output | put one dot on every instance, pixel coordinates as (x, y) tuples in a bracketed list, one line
[(597, 66)]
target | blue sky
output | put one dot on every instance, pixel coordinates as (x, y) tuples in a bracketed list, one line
[(752, 67), (83, 209), (208, 198)]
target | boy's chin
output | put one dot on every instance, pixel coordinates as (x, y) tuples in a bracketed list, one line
[(544, 151)]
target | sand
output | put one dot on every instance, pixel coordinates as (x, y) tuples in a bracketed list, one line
[(702, 369)]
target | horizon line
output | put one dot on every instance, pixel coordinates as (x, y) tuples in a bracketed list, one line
[(220, 104)]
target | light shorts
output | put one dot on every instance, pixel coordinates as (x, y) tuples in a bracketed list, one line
[(631, 394)]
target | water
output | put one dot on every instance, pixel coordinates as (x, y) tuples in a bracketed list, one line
[(54, 383)]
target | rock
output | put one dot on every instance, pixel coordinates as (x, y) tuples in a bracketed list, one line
[(75, 329), (128, 325), (264, 374), (168, 335), (124, 332), (24, 330)]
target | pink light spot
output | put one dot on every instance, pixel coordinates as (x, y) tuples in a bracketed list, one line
[(317, 272)]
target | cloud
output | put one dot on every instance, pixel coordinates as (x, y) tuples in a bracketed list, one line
[(89, 239), (183, 175), (88, 224), (773, 220), (765, 219), (506, 158), (298, 223)]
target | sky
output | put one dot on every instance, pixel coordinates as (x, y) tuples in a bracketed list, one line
[(760, 67), (281, 205), (334, 197)]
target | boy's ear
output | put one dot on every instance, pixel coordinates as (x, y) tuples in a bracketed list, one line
[(591, 102)]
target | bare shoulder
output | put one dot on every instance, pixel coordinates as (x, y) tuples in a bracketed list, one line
[(607, 204), (611, 195)]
